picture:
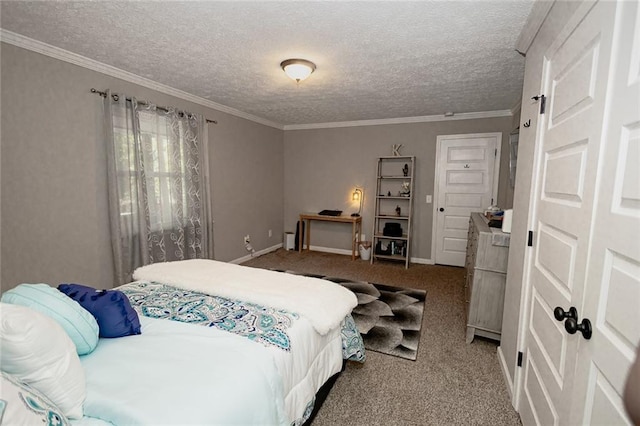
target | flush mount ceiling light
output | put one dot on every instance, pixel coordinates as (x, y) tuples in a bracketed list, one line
[(298, 69)]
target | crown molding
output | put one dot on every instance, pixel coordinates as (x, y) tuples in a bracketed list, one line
[(82, 61), (402, 120), (538, 14)]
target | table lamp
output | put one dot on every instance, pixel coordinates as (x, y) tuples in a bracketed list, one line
[(358, 195)]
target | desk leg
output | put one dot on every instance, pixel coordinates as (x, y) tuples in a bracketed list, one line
[(353, 241), (359, 238), (309, 234), (300, 235)]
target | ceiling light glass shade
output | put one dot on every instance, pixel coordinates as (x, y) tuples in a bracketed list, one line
[(298, 69)]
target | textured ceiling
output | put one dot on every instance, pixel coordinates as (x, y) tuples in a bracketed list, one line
[(375, 60)]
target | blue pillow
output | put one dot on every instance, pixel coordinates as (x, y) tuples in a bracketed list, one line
[(111, 308), (79, 324)]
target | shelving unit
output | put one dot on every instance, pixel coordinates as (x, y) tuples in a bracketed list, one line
[(391, 194)]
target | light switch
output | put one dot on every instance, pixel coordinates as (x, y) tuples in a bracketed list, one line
[(428, 199)]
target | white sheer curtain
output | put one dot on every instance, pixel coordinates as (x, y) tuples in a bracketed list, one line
[(158, 184)]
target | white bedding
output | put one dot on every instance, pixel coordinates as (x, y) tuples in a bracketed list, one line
[(176, 373), (214, 377), (323, 303), (180, 373)]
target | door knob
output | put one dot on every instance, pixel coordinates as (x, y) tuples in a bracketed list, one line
[(571, 325), (561, 315), (441, 209)]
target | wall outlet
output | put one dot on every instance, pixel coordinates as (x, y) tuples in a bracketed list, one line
[(247, 239), (270, 233), (429, 199)]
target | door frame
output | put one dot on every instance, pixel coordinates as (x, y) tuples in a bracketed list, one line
[(436, 181)]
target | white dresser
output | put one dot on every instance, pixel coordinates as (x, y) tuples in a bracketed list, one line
[(486, 265)]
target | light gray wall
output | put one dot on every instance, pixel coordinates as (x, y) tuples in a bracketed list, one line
[(323, 166), (509, 344), (54, 221)]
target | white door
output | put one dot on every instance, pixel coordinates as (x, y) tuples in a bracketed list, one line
[(612, 290), (466, 181), (561, 381)]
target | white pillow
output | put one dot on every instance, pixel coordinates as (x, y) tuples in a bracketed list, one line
[(79, 323), (37, 351), (23, 405)]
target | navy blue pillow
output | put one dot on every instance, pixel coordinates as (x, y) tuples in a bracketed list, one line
[(111, 308)]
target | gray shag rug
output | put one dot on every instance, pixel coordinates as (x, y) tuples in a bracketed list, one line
[(388, 318)]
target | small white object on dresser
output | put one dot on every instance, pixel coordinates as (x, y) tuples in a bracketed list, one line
[(486, 265)]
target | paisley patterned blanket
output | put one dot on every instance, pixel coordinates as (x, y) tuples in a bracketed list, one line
[(261, 324)]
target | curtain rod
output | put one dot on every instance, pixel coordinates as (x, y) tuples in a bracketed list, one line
[(115, 96)]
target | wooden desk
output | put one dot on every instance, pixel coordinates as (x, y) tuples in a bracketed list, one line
[(356, 228)]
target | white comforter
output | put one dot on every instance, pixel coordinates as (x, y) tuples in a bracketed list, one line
[(179, 374), (323, 303)]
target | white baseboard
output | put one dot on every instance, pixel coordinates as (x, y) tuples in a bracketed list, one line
[(256, 254), (422, 261), (505, 375), (418, 260), (346, 252), (332, 250)]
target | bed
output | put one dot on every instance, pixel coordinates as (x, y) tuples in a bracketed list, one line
[(220, 344)]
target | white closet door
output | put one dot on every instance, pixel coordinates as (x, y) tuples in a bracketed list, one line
[(612, 293), (575, 83)]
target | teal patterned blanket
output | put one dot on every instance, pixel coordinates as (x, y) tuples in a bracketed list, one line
[(261, 324)]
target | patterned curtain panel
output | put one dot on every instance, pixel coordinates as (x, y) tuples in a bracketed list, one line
[(158, 185)]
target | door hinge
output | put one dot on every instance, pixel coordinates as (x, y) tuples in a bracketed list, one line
[(543, 102), (530, 239), (495, 152), (520, 354)]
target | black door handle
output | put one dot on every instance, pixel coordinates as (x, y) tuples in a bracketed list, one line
[(571, 325), (561, 315), (441, 209)]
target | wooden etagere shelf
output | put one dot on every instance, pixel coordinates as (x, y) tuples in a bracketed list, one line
[(394, 204)]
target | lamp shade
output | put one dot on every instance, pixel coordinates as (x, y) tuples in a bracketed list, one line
[(298, 69)]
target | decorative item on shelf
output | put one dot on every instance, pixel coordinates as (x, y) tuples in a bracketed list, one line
[(358, 195), (398, 247), (405, 170), (388, 193), (395, 150), (392, 229), (406, 189), (382, 247), (398, 211)]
